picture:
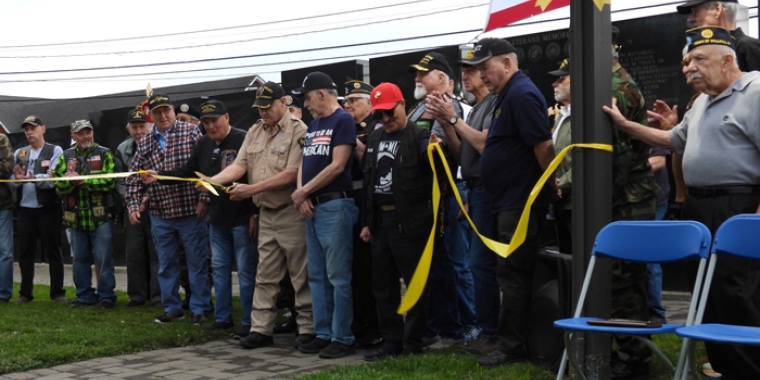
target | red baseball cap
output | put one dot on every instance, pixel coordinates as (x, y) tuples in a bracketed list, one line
[(385, 96)]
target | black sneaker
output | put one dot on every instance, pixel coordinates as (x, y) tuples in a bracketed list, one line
[(498, 358), (370, 341), (304, 339), (385, 351), (314, 346), (336, 350), (256, 340), (241, 332), (199, 318), (107, 305), (219, 326), (134, 303), (167, 317), (79, 303)]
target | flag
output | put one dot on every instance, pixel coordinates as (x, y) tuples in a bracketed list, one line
[(504, 12)]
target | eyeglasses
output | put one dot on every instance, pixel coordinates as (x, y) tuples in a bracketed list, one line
[(561, 78), (351, 100), (388, 113), (215, 156)]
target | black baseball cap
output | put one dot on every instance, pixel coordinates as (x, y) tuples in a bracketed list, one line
[(292, 101), (315, 81), (158, 100), (709, 35), (212, 109), (685, 8), (267, 94), (358, 87), (33, 120), (135, 115), (564, 69), (432, 61), (487, 48), (188, 109)]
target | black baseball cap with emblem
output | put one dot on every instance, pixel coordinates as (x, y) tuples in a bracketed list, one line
[(432, 61), (685, 8), (315, 81), (358, 87), (486, 49), (564, 69), (709, 35), (32, 120), (135, 115), (158, 100), (212, 109), (292, 101), (267, 94), (188, 109)]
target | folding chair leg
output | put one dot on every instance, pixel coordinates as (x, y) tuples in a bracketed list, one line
[(683, 362), (567, 357), (664, 359)]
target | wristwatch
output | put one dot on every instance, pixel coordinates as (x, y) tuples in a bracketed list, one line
[(453, 119)]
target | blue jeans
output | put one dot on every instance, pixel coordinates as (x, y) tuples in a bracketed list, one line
[(230, 245), (194, 234), (654, 288), (456, 237), (483, 264), (6, 254), (88, 246), (329, 249)]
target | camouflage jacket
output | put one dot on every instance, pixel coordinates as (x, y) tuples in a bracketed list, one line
[(6, 169), (634, 185)]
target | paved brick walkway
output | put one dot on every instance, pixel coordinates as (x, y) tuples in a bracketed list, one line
[(222, 359)]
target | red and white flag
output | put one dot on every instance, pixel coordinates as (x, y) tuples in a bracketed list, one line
[(505, 12)]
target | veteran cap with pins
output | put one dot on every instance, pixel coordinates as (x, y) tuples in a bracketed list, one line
[(135, 115), (432, 61), (212, 109), (487, 48), (709, 35), (358, 87), (158, 100), (267, 94)]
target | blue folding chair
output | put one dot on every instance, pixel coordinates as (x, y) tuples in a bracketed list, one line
[(643, 242), (735, 237)]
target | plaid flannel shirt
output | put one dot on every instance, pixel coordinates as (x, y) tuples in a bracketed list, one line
[(166, 201), (82, 195)]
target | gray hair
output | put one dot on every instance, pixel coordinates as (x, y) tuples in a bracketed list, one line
[(724, 50), (363, 96), (729, 9), (331, 91)]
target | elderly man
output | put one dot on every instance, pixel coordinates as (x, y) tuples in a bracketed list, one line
[(365, 328), (272, 155), (518, 149), (142, 261), (294, 106), (720, 185), (723, 13), (322, 197), (188, 114), (176, 211), (232, 224), (397, 216), (466, 140), (39, 213), (450, 269), (85, 209), (6, 221)]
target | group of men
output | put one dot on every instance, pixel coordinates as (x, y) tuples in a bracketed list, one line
[(343, 206)]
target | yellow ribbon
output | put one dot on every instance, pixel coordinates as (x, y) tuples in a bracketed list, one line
[(419, 279), (114, 175)]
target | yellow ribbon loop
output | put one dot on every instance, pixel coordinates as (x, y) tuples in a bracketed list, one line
[(113, 175), (419, 279)]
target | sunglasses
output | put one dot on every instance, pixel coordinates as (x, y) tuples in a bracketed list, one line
[(388, 113), (561, 78)]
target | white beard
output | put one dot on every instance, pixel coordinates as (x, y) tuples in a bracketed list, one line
[(419, 91)]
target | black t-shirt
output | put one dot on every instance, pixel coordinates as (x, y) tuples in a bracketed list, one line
[(210, 159), (386, 153)]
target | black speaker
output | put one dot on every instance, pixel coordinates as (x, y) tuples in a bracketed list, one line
[(552, 300)]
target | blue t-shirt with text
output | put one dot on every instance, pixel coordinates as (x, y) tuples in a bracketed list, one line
[(322, 137)]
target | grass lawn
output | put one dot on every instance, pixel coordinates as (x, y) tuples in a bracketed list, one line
[(43, 333), (450, 364)]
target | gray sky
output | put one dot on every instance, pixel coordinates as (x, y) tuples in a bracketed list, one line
[(268, 36)]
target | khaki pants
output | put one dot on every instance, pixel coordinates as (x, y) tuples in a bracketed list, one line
[(282, 247)]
